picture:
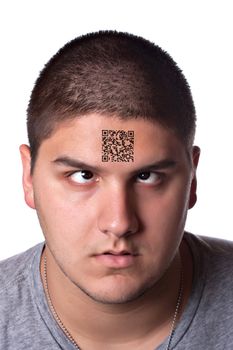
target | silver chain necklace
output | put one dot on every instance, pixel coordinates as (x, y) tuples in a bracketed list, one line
[(71, 338)]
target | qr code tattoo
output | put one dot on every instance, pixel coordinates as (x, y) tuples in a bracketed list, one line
[(117, 146)]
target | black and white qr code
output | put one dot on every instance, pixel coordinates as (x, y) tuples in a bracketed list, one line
[(117, 146)]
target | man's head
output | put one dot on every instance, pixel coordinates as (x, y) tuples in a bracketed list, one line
[(114, 74), (110, 122)]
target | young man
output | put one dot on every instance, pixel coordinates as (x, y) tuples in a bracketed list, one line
[(111, 173)]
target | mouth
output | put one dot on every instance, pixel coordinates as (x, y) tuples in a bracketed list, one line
[(117, 253), (116, 259)]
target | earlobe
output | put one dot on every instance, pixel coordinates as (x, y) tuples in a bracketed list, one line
[(193, 190), (27, 177)]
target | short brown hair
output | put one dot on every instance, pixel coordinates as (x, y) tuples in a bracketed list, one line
[(110, 73)]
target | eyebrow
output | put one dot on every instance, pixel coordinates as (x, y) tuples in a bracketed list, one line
[(161, 164), (75, 163)]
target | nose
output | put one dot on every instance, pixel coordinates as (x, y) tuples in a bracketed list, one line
[(118, 213)]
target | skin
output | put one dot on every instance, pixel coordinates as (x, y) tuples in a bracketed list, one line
[(113, 232)]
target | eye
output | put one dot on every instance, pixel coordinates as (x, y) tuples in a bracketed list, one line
[(149, 177), (82, 177)]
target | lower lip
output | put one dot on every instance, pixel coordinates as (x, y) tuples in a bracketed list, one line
[(116, 261)]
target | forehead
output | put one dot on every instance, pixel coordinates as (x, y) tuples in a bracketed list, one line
[(88, 137)]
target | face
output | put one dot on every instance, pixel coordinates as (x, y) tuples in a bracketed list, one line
[(112, 227)]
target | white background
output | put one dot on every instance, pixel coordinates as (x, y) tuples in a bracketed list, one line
[(198, 35)]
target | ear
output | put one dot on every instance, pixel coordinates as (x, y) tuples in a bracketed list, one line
[(27, 177), (193, 190)]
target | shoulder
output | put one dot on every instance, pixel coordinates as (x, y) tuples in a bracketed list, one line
[(217, 245), (21, 324), (213, 263), (210, 246), (212, 289), (214, 255), (16, 268)]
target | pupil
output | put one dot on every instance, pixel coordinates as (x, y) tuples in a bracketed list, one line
[(144, 176), (87, 174)]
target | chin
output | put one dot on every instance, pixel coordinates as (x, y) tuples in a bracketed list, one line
[(116, 294), (114, 298)]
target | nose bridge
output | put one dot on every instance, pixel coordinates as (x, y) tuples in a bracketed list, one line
[(117, 215)]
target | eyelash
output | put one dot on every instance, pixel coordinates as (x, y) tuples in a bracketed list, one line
[(93, 179), (69, 175), (151, 173)]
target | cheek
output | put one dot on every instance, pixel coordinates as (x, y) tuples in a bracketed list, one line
[(164, 223), (165, 213), (172, 211), (65, 232), (63, 219)]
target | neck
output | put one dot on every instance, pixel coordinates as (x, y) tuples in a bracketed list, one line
[(142, 323)]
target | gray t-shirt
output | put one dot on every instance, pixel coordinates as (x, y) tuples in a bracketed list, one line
[(206, 324)]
